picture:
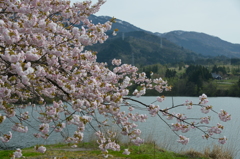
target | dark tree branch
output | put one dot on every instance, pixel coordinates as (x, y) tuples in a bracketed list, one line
[(55, 84)]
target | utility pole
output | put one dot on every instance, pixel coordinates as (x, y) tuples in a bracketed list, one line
[(161, 43), (132, 59)]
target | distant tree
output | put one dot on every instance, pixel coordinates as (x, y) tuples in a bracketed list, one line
[(210, 88), (238, 83), (235, 61), (180, 68), (219, 70), (197, 75), (214, 69), (151, 69), (170, 73)]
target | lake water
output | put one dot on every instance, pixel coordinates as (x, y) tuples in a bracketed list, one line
[(157, 129)]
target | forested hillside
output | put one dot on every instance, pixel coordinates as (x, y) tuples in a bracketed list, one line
[(203, 43), (142, 48), (199, 43)]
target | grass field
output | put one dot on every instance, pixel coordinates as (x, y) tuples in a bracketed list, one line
[(91, 151)]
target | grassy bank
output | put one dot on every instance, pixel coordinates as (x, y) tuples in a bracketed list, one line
[(90, 151)]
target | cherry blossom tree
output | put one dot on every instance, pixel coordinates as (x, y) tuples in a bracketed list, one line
[(43, 56)]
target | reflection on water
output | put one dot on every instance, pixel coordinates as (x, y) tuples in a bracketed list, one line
[(155, 128)]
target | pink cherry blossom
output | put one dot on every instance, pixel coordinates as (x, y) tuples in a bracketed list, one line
[(176, 127), (114, 33), (2, 118), (126, 152), (153, 109), (203, 99), (59, 127), (20, 128), (40, 149), (206, 109), (74, 146), (170, 116), (224, 116), (185, 128), (25, 116), (137, 141), (189, 104), (6, 137), (116, 62), (130, 108), (183, 140), (44, 128), (222, 140), (160, 99), (18, 153), (180, 117), (215, 129), (37, 135), (205, 120)]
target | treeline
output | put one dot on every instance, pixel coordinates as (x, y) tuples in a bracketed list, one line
[(193, 80)]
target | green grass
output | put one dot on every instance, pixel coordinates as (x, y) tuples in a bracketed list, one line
[(5, 154), (147, 151), (225, 84), (62, 151)]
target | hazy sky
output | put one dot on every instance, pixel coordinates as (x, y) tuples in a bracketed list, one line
[(219, 18)]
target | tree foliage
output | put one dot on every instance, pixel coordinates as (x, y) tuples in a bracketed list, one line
[(170, 73), (198, 74), (221, 70)]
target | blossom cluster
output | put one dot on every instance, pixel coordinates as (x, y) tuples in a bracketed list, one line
[(17, 154), (106, 143)]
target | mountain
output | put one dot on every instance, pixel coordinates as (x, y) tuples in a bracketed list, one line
[(203, 43), (122, 26), (138, 46), (142, 48), (142, 45)]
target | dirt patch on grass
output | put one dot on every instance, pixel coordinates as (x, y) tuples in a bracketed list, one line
[(73, 149), (70, 153)]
